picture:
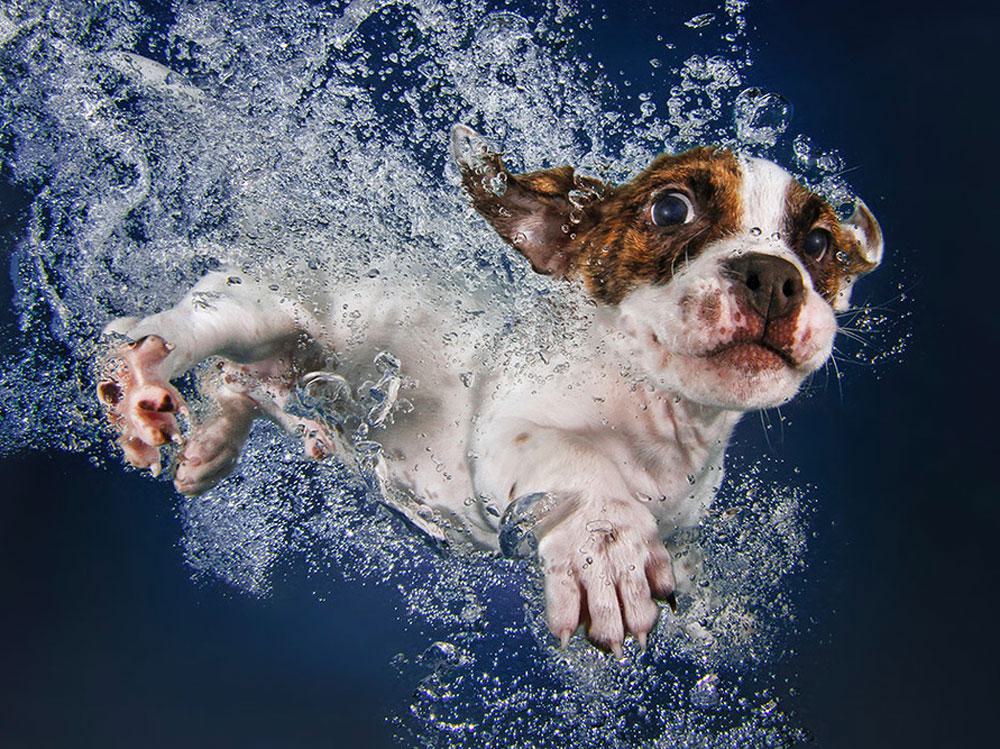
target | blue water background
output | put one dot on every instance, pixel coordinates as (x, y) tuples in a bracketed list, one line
[(106, 641)]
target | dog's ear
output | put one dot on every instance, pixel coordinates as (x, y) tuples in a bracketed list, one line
[(864, 248), (865, 228), (540, 213)]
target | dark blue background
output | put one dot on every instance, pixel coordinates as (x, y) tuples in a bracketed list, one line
[(106, 642)]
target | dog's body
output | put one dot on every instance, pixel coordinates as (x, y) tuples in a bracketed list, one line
[(714, 277)]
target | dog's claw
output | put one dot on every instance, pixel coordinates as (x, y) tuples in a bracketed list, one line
[(671, 600), (564, 638), (604, 566), (617, 651)]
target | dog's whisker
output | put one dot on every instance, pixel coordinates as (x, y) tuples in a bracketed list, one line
[(847, 170), (839, 356), (764, 428), (883, 306), (854, 336), (836, 369)]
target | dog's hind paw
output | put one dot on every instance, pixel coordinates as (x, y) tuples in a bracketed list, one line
[(212, 448), (140, 403), (604, 563)]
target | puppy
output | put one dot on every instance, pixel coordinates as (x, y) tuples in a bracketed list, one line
[(711, 282)]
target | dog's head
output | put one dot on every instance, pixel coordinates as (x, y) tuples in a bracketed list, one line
[(724, 270)]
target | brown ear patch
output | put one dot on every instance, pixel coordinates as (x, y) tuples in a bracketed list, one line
[(540, 213), (847, 257)]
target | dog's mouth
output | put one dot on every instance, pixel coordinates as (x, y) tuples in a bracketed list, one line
[(754, 356)]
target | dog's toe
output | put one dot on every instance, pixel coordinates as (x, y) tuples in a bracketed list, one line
[(638, 608), (213, 448), (606, 629), (562, 602), (660, 573)]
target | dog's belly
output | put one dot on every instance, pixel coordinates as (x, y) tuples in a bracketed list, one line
[(425, 439)]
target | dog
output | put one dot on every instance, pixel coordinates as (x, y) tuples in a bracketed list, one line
[(711, 283)]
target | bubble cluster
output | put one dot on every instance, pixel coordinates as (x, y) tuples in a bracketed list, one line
[(761, 116), (308, 140)]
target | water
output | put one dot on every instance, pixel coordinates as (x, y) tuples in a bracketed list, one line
[(311, 139)]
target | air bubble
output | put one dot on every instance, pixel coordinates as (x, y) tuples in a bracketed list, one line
[(802, 149), (600, 526), (700, 21), (761, 117), (705, 693)]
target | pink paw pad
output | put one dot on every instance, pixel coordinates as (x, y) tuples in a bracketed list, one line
[(140, 402)]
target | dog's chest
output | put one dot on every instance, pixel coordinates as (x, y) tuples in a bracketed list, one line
[(669, 451)]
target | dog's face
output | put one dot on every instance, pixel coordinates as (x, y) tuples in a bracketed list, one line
[(724, 270)]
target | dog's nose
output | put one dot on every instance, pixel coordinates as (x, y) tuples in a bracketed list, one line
[(771, 285)]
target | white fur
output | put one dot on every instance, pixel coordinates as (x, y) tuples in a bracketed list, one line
[(765, 185)]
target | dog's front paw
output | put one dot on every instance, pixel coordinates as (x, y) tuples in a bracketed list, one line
[(604, 563), (140, 403)]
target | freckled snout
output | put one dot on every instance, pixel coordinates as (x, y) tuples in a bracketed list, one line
[(770, 285)]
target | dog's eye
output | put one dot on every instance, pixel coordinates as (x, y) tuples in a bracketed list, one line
[(672, 209), (816, 243)]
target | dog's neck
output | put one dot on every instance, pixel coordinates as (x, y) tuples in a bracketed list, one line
[(698, 432)]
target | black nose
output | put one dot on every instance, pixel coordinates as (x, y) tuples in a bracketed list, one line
[(772, 286)]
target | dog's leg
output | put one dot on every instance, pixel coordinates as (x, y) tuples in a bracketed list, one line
[(211, 450), (242, 393), (600, 549), (223, 315), (269, 384)]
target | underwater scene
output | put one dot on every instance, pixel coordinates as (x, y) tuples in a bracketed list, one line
[(146, 144)]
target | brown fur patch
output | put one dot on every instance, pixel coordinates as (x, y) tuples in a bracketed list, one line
[(539, 213), (710, 310), (624, 248), (804, 211), (575, 226)]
